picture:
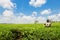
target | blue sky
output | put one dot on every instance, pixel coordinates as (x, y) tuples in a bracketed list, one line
[(42, 9), (23, 6)]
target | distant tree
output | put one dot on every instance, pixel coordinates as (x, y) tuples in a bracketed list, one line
[(36, 22)]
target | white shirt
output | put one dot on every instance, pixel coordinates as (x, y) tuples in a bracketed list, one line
[(48, 24)]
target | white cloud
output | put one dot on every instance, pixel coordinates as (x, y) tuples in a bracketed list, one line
[(27, 19), (7, 4), (37, 3), (6, 16), (34, 13), (8, 13), (55, 17), (47, 11), (9, 17), (41, 19)]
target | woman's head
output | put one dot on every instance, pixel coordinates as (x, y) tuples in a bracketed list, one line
[(48, 20)]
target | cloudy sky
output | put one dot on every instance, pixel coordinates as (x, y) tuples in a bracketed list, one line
[(27, 11)]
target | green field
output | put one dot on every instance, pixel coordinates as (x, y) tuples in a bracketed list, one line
[(30, 31)]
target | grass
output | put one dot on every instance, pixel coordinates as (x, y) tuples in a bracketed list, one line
[(55, 26), (33, 31)]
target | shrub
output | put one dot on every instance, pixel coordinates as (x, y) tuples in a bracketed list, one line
[(16, 34)]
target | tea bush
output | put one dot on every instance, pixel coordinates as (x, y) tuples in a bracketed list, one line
[(29, 32)]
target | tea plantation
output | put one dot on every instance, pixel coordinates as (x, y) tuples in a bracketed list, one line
[(29, 32)]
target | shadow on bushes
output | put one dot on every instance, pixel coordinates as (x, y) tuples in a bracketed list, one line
[(16, 34)]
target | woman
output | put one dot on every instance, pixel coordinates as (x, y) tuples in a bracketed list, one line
[(48, 23)]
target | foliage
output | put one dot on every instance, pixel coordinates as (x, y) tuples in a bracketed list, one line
[(29, 32)]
